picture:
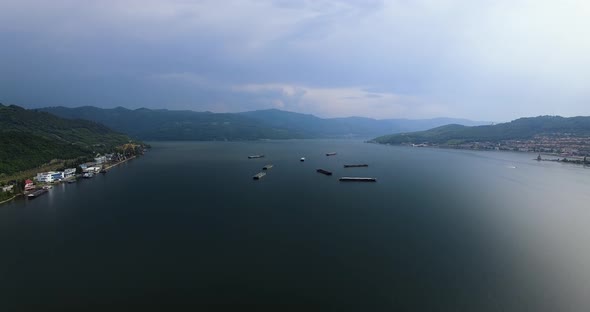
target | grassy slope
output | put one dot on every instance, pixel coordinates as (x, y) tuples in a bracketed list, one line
[(29, 139)]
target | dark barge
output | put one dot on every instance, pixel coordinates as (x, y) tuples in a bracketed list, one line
[(326, 172), (357, 179)]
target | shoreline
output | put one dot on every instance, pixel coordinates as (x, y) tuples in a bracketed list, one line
[(114, 165), (10, 199), (106, 168), (575, 160)]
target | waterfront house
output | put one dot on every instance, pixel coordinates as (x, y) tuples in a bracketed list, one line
[(7, 188), (69, 172), (92, 169), (100, 160), (29, 185)]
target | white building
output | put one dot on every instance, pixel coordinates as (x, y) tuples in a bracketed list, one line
[(7, 188), (92, 169), (100, 160), (69, 172), (50, 176)]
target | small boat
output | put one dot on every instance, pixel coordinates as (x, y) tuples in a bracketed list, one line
[(302, 159), (355, 165), (267, 167), (103, 171), (88, 175), (48, 187), (326, 172), (259, 175), (71, 181), (255, 156), (330, 154), (357, 179)]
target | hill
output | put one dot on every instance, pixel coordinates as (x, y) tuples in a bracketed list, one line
[(520, 129), (147, 124), (30, 138)]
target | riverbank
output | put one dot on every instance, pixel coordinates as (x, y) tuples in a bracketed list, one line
[(116, 164), (7, 200)]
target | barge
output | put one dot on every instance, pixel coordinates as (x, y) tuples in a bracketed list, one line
[(259, 175), (330, 154), (355, 165), (255, 156), (326, 172), (357, 179), (267, 167), (36, 193)]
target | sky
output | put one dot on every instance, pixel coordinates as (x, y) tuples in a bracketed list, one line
[(490, 60)]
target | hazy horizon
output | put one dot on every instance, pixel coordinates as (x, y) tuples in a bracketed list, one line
[(478, 60)]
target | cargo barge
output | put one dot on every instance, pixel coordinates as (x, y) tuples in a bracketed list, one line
[(36, 193), (259, 175), (357, 179), (330, 154), (267, 167), (326, 172), (255, 156), (355, 165)]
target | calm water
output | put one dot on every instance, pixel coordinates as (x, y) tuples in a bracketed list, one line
[(185, 225)]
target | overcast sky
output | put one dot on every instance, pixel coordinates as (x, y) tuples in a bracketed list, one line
[(485, 60)]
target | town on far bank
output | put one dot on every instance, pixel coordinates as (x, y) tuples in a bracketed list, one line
[(563, 148), (86, 168)]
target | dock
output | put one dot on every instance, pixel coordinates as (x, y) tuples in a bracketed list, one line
[(355, 165), (357, 179), (323, 171), (259, 175), (36, 193), (267, 167)]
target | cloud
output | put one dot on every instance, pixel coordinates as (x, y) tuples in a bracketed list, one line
[(488, 60)]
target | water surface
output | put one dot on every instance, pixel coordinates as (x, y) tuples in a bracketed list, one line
[(441, 230)]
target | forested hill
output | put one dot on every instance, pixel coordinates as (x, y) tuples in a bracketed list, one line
[(523, 128), (30, 138), (148, 124)]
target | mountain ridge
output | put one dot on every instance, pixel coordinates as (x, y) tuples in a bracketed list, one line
[(164, 124)]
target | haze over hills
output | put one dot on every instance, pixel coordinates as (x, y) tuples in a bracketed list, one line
[(29, 138), (519, 129), (150, 124)]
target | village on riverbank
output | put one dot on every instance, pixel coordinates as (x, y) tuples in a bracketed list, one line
[(39, 184)]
